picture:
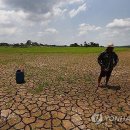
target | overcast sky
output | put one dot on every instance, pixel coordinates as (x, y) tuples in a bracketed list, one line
[(65, 21)]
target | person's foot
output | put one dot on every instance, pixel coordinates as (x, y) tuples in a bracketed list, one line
[(99, 85), (106, 85)]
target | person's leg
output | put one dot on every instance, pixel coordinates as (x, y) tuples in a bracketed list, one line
[(107, 80), (102, 74), (108, 75), (99, 80)]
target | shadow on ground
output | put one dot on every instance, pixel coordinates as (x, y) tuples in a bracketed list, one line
[(112, 87)]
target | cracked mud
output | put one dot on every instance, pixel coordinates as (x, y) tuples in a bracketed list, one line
[(61, 93)]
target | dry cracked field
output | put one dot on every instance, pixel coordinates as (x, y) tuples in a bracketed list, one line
[(61, 93)]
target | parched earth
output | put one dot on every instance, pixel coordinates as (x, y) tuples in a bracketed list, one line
[(61, 93)]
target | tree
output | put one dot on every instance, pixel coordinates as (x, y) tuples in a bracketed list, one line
[(94, 44), (4, 44), (81, 45), (86, 44), (16, 45), (35, 44), (74, 45), (29, 42)]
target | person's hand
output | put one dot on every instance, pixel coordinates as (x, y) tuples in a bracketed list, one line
[(114, 65), (105, 69)]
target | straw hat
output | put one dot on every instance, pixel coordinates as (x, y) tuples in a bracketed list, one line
[(110, 45)]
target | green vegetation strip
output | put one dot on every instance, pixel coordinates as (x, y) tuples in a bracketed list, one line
[(75, 50), (39, 88)]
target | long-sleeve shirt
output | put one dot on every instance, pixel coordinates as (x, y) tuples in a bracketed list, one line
[(108, 60)]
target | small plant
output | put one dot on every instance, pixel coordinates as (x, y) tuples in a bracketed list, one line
[(87, 78), (60, 78), (40, 88), (121, 109), (106, 89), (63, 68), (70, 81)]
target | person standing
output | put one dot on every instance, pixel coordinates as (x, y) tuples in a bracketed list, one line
[(107, 61)]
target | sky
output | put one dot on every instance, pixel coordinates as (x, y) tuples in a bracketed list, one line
[(65, 21)]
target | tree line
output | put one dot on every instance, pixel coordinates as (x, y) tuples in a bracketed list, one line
[(30, 43), (89, 44)]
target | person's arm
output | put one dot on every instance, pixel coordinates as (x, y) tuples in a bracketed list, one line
[(116, 59), (100, 59)]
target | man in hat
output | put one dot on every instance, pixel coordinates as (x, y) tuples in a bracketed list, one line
[(107, 60)]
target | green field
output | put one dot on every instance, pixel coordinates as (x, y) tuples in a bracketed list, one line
[(77, 50)]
